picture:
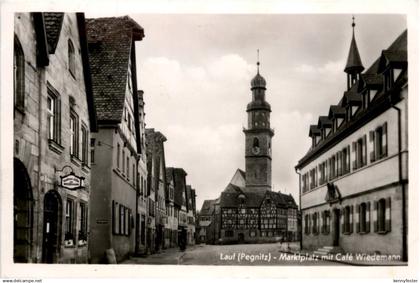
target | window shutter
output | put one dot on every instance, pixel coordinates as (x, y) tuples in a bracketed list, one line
[(354, 153), (364, 151), (322, 223), (372, 141), (367, 217), (320, 174), (384, 140), (351, 219), (375, 217), (342, 220), (328, 222), (113, 217), (58, 121), (358, 218), (348, 159), (317, 222), (388, 214)]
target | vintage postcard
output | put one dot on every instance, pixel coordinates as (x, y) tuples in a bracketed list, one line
[(138, 138)]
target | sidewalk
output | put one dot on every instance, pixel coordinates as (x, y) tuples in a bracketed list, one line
[(345, 258)]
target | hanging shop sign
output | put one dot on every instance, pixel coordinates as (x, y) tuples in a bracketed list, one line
[(71, 181)]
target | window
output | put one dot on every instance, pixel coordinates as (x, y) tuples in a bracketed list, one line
[(74, 134), (313, 178), (118, 155), (332, 167), (141, 186), (85, 137), (323, 173), (315, 228), (134, 175), (325, 222), (307, 227), (382, 222), (347, 222), (363, 221), (359, 150), (345, 159), (115, 218), (83, 223), (123, 161), (379, 140), (128, 168), (71, 58), (122, 220), (92, 150), (256, 143), (19, 75), (69, 220), (53, 116)]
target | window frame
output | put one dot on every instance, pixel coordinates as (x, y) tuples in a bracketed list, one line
[(74, 134), (69, 220), (18, 75), (71, 57)]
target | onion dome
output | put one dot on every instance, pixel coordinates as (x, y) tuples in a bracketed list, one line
[(258, 81)]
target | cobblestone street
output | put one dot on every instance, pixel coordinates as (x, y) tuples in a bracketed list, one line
[(246, 254)]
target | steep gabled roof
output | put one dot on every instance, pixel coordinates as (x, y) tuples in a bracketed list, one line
[(110, 45), (53, 23), (208, 207)]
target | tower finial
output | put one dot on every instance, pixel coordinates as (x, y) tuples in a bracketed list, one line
[(258, 61), (353, 24)]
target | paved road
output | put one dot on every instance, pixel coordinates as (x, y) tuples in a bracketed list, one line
[(247, 254)]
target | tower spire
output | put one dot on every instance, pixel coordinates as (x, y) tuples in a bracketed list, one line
[(258, 61), (354, 64)]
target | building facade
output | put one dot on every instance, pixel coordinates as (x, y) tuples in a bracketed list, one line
[(54, 116), (117, 144), (142, 213), (354, 179), (180, 204), (171, 226), (156, 180)]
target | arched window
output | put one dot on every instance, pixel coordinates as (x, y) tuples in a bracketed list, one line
[(256, 143), (19, 75), (71, 58)]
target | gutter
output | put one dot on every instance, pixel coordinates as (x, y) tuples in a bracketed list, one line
[(300, 207), (400, 181)]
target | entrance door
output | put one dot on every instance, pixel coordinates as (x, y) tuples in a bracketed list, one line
[(336, 234), (241, 238), (52, 227), (23, 213)]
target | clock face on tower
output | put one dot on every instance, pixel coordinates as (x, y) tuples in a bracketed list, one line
[(256, 150)]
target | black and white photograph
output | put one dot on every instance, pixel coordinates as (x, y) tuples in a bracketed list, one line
[(209, 139)]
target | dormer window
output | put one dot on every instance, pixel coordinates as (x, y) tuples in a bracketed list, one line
[(389, 79), (366, 99), (71, 58)]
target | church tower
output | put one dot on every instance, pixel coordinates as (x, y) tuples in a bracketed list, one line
[(258, 137)]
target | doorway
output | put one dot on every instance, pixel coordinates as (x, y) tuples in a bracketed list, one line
[(336, 231), (241, 238), (52, 227), (22, 212)]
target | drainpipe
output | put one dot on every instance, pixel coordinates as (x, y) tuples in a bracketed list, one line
[(300, 207), (400, 180)]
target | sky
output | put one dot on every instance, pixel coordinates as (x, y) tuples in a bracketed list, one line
[(195, 70)]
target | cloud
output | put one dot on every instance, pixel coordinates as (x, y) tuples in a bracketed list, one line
[(329, 68)]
